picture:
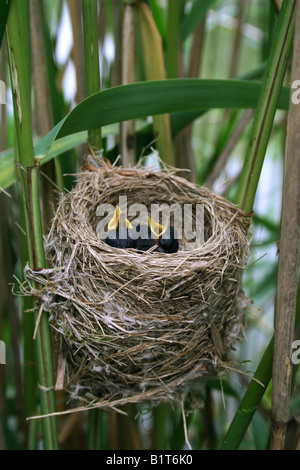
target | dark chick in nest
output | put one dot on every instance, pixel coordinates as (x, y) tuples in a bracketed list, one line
[(165, 237), (118, 230), (143, 237)]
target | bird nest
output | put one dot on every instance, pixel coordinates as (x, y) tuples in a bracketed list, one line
[(133, 326)]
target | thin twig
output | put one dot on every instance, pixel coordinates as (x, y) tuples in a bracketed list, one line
[(185, 427), (38, 320)]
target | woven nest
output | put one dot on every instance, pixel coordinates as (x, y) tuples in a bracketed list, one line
[(133, 326)]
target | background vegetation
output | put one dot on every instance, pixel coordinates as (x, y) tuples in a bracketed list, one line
[(211, 96)]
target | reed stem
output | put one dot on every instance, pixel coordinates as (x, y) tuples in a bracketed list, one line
[(288, 268), (18, 43), (172, 39), (262, 126), (266, 107), (91, 53)]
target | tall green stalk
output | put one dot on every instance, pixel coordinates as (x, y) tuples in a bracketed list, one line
[(3, 18), (92, 76), (267, 105), (160, 422), (262, 126), (288, 267), (128, 66), (18, 43), (91, 52), (154, 65), (66, 163), (172, 38)]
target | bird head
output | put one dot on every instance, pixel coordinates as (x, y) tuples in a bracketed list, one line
[(117, 219), (167, 243), (157, 229)]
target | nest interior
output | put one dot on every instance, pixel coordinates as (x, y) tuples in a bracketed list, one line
[(133, 326)]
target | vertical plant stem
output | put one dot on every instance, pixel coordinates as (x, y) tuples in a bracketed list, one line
[(91, 53), (266, 107), (127, 128), (30, 378), (3, 139), (236, 49), (172, 38), (18, 42), (113, 440), (127, 429), (95, 429), (116, 12), (77, 51), (232, 141), (32, 435), (155, 70), (250, 401), (160, 433), (92, 77), (185, 153), (66, 163), (262, 125), (288, 267), (277, 4), (42, 110), (197, 48), (3, 133)]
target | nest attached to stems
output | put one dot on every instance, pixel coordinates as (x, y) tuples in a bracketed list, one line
[(133, 326)]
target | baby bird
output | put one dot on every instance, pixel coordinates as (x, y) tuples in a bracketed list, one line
[(119, 231), (145, 241), (169, 244), (121, 235), (165, 237)]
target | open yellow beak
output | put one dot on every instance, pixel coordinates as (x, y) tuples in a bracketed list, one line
[(157, 229), (114, 221)]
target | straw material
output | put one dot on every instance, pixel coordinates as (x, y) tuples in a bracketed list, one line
[(140, 326)]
